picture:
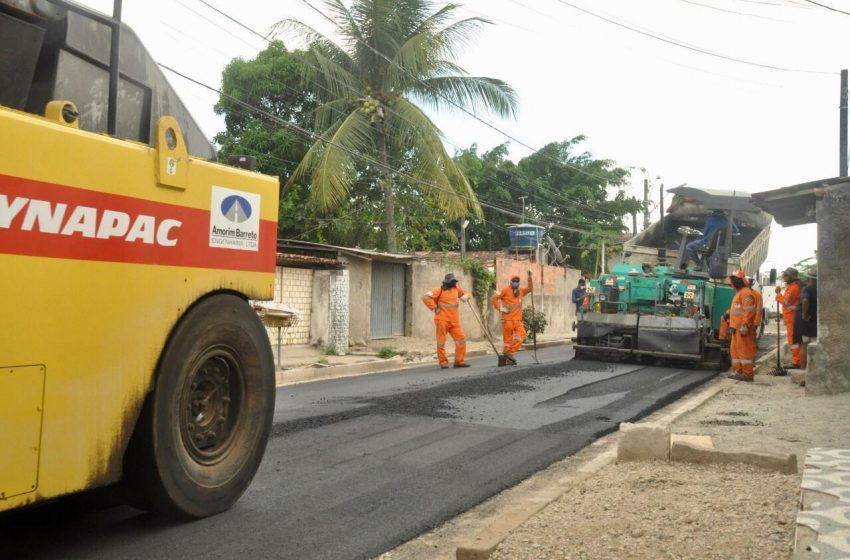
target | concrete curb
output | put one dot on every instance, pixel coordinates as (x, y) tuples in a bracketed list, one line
[(481, 545), (378, 365), (686, 452)]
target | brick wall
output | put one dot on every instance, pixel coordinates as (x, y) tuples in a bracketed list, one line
[(294, 286)]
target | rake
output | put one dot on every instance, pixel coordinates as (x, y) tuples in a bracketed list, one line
[(503, 360), (778, 371)]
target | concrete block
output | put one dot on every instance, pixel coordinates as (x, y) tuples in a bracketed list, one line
[(639, 442), (704, 442), (785, 463)]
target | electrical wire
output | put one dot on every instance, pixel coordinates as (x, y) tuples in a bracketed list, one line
[(369, 159), (389, 109), (828, 7), (446, 99), (677, 43)]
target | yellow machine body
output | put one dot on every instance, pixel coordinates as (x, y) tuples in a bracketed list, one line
[(104, 245)]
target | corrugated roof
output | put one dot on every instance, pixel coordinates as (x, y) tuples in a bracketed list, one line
[(352, 251), (307, 261)]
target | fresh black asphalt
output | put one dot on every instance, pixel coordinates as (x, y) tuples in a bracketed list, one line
[(359, 465)]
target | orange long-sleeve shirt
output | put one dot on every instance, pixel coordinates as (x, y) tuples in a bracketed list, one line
[(445, 303), (512, 303), (789, 300), (743, 310)]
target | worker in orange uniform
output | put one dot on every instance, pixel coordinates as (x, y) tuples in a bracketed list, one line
[(443, 301), (789, 301), (508, 302), (742, 328)]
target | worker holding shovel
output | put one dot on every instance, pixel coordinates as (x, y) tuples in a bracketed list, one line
[(508, 302), (443, 301)]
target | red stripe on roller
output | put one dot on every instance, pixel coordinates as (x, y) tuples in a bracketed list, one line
[(190, 238)]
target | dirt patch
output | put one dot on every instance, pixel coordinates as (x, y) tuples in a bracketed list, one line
[(724, 422), (672, 511)]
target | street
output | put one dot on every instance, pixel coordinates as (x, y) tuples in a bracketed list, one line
[(359, 465)]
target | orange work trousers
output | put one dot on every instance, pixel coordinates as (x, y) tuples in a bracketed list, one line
[(789, 335), (456, 331), (743, 352), (513, 333)]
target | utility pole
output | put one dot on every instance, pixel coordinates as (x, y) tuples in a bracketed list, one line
[(661, 211), (645, 203), (634, 223), (463, 223), (842, 133), (603, 256), (522, 198)]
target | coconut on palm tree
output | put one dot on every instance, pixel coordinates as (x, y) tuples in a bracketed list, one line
[(392, 57)]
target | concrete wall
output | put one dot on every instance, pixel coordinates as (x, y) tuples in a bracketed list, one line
[(553, 286), (320, 316), (829, 367), (359, 301)]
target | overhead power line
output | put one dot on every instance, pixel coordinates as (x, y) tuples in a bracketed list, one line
[(447, 99), (828, 7), (371, 160), (512, 172), (682, 45)]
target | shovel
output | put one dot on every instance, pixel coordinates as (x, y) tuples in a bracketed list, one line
[(778, 370), (503, 360)]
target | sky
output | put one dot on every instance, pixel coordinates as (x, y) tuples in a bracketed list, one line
[(672, 114)]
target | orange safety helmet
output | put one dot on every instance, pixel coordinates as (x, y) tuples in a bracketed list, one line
[(740, 274)]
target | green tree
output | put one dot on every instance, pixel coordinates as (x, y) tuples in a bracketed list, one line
[(394, 54), (582, 198), (272, 83)]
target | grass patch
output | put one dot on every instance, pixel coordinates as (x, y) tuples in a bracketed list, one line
[(387, 352)]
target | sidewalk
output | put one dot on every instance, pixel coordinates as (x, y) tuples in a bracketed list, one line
[(591, 506), (309, 363)]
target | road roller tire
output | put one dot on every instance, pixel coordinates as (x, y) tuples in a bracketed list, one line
[(203, 431)]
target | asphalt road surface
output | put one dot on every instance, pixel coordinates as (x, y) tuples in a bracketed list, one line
[(359, 465)]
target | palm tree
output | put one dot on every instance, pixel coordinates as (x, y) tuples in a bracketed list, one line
[(392, 55)]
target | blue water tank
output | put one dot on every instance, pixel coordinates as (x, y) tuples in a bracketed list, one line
[(525, 236)]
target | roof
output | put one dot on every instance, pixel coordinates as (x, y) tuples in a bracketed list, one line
[(717, 199), (486, 258), (293, 260), (338, 250), (796, 205)]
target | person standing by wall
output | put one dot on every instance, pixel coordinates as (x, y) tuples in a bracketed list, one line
[(508, 302), (806, 317), (578, 296), (742, 322), (789, 301), (443, 301)]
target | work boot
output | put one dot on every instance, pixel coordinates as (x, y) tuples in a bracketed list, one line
[(461, 365), (509, 359), (738, 377), (444, 366)]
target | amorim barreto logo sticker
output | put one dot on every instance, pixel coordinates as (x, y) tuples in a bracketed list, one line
[(234, 219)]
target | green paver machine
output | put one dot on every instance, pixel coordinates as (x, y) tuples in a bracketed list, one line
[(654, 311), (660, 309)]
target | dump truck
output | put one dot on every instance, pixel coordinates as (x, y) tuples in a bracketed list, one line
[(688, 211), (128, 352)]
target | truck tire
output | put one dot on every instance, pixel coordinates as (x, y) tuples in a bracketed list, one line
[(203, 431)]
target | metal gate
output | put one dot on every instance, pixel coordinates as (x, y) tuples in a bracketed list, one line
[(388, 299)]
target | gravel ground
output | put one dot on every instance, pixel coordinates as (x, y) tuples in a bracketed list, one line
[(653, 510)]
